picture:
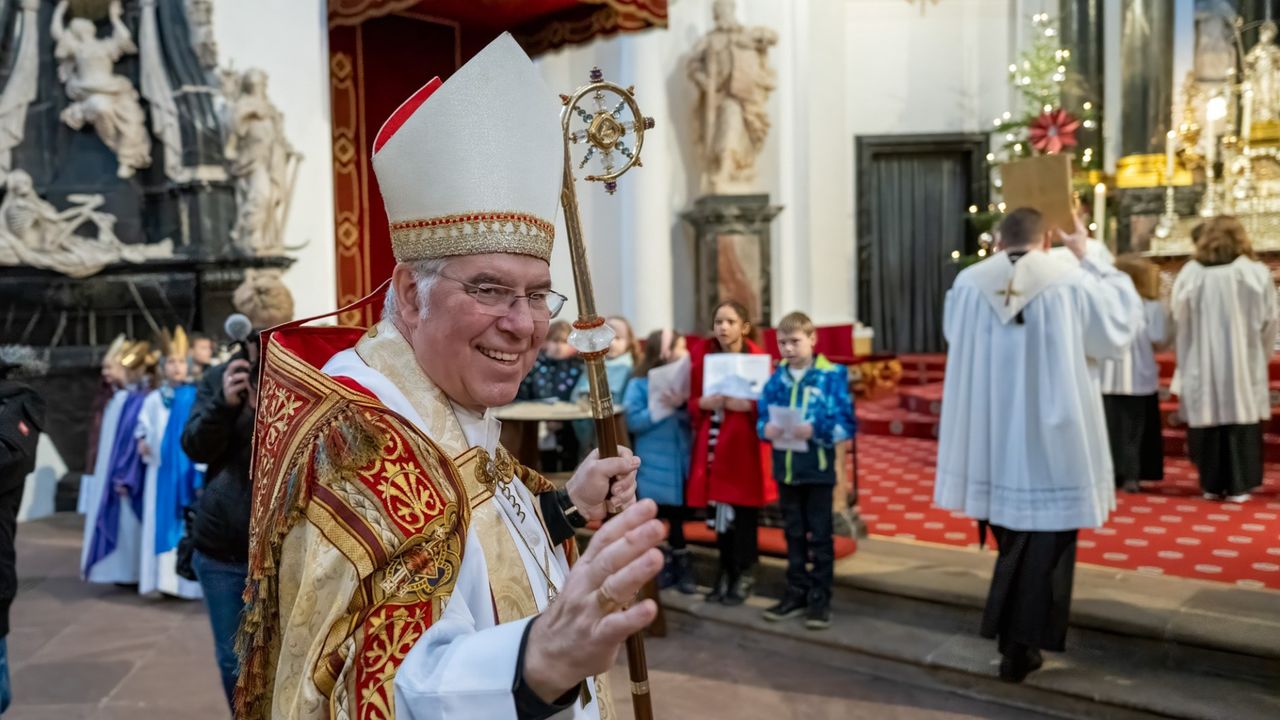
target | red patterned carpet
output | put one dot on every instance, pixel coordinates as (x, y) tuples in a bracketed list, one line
[(1169, 529)]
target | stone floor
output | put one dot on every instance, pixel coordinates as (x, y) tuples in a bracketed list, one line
[(83, 651)]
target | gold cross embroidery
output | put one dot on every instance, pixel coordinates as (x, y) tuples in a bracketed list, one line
[(1008, 292)]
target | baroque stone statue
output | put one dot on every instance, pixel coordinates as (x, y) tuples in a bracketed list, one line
[(729, 66), (1262, 68), (200, 19), (99, 97), (33, 232), (261, 161), (1215, 40)]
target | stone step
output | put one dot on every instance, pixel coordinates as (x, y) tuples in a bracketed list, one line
[(1139, 647)]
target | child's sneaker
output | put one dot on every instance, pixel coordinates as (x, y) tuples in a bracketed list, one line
[(792, 605), (818, 616)]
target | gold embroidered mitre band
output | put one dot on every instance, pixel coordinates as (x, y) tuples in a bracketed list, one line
[(474, 165), (472, 234)]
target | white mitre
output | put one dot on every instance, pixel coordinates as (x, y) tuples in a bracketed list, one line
[(474, 165)]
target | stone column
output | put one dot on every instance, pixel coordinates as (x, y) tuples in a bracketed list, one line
[(1081, 26), (1146, 56)]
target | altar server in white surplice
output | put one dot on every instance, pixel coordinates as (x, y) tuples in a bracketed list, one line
[(1023, 441), (1224, 305)]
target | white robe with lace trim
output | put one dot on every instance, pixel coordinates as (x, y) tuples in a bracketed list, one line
[(1023, 440)]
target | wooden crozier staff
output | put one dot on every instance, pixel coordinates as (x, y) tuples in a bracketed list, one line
[(605, 136)]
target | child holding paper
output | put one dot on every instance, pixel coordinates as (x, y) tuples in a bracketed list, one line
[(660, 426), (805, 411), (730, 466)]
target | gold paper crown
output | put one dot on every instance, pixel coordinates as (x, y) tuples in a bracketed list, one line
[(116, 349), (139, 355), (175, 344)]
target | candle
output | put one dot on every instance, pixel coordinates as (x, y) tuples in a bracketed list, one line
[(1099, 210), (1246, 125), (1170, 140)]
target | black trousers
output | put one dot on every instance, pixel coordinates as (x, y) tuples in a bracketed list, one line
[(1030, 598), (1228, 457), (675, 515), (10, 502), (1137, 445), (739, 544), (806, 514)]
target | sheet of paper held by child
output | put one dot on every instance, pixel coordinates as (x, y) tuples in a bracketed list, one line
[(673, 379), (735, 375), (789, 419)]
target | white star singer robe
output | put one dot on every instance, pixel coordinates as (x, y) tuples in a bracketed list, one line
[(1226, 319), (464, 666), (90, 496), (157, 573), (1023, 440)]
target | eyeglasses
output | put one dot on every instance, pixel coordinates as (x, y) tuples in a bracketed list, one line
[(497, 300)]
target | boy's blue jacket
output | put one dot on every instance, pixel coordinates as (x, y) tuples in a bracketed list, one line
[(823, 392)]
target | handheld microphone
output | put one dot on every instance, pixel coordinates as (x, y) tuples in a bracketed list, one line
[(238, 328)]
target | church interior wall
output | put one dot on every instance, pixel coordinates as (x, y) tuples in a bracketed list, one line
[(292, 47), (917, 68), (844, 68)]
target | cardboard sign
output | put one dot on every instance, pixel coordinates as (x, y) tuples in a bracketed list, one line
[(1042, 183)]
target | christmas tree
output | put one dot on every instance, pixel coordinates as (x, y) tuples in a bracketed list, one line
[(1041, 76)]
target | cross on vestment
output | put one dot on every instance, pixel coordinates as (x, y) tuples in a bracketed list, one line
[(1008, 292)]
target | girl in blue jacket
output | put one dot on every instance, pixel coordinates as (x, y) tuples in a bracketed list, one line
[(665, 448)]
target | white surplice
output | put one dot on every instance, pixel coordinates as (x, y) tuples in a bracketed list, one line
[(1023, 440), (1095, 251), (1136, 372), (463, 667), (156, 573), (1226, 320)]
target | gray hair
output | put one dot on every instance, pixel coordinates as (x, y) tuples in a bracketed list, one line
[(425, 273)]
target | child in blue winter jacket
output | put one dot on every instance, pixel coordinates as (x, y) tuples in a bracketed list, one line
[(806, 478), (664, 447)]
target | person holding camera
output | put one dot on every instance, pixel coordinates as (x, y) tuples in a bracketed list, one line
[(219, 433)]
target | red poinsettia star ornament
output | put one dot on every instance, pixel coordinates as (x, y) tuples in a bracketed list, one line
[(1053, 130)]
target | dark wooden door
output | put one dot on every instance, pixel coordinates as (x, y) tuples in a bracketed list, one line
[(913, 195)]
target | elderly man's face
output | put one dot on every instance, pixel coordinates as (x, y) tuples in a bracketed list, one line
[(478, 359)]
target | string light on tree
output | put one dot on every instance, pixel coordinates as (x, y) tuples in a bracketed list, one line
[(1042, 122)]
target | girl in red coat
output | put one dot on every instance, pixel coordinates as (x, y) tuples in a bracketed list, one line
[(730, 466)]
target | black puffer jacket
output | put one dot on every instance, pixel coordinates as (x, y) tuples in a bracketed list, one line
[(221, 436), (21, 421)]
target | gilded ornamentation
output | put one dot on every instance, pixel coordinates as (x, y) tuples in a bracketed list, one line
[(369, 510), (491, 471), (390, 635), (471, 234), (429, 562), (280, 406), (410, 496)]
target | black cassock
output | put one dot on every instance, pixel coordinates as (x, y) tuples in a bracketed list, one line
[(1134, 431), (1228, 457), (1030, 598)]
